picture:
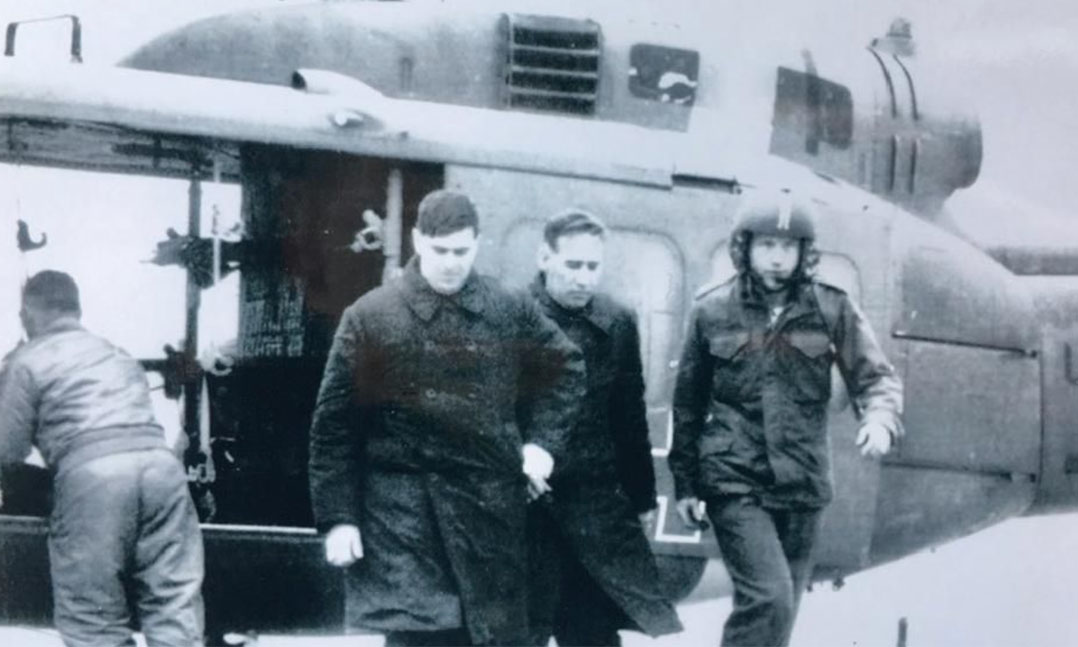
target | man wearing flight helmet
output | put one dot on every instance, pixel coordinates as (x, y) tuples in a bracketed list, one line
[(750, 411)]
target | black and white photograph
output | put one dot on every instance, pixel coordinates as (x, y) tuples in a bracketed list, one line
[(538, 322)]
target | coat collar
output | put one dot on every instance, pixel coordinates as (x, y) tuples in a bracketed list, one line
[(800, 299), (425, 302), (598, 310), (55, 327), (59, 325)]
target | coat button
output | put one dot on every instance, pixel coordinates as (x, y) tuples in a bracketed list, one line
[(431, 393), (428, 345), (472, 347)]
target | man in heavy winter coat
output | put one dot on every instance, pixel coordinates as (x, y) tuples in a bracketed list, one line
[(419, 441), (750, 412), (592, 571)]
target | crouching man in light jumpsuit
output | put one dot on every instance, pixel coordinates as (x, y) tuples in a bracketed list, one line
[(123, 536)]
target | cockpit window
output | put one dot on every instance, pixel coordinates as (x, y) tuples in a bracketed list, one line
[(664, 74)]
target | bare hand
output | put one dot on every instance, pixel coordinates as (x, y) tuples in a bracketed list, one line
[(343, 545), (874, 439), (537, 488), (647, 519), (692, 512), (538, 465)]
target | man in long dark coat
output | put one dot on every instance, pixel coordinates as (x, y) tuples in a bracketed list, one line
[(592, 570), (416, 452)]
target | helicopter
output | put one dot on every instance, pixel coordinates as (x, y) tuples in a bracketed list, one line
[(326, 123)]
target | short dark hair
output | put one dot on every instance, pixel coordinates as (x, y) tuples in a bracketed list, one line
[(445, 212), (52, 290), (571, 222)]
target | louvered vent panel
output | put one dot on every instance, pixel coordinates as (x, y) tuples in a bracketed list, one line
[(552, 64)]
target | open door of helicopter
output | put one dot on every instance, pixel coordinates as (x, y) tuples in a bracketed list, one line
[(224, 266), (321, 229)]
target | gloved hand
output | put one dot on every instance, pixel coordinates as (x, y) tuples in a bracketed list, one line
[(538, 465), (343, 545), (874, 439)]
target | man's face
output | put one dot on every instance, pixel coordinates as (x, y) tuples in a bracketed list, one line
[(574, 269), (774, 259), (446, 261)]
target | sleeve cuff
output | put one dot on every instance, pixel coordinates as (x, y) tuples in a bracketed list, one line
[(645, 505), (885, 419), (683, 492), (325, 525)]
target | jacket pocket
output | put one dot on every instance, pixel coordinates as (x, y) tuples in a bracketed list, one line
[(811, 344), (807, 369), (726, 346), (731, 381), (716, 444)]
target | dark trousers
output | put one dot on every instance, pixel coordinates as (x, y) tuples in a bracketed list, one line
[(768, 554), (564, 600), (125, 550)]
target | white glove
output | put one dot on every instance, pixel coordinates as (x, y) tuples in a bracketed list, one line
[(538, 465), (874, 439), (343, 545)]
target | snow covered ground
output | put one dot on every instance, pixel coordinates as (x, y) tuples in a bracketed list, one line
[(1012, 585)]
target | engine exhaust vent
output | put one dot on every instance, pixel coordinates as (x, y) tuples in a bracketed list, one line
[(552, 63)]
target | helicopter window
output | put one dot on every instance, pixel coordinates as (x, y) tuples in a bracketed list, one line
[(817, 109), (663, 74), (644, 271)]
